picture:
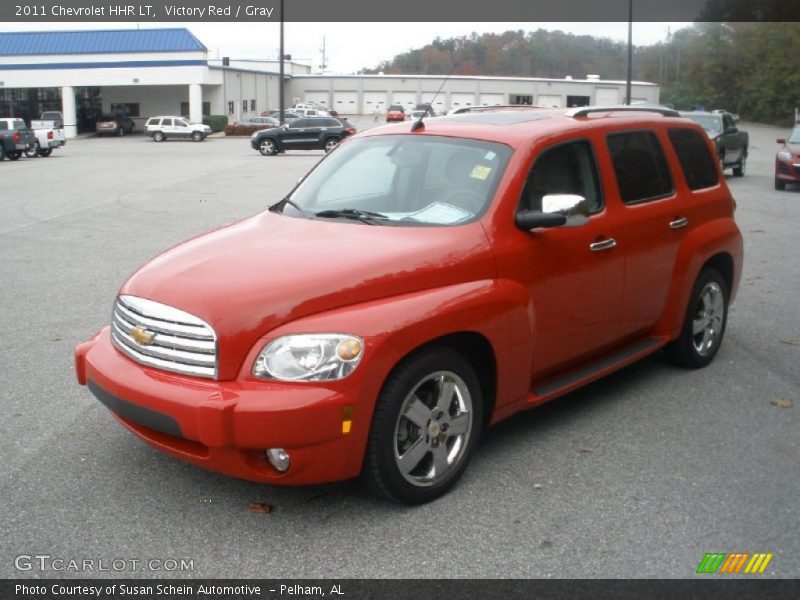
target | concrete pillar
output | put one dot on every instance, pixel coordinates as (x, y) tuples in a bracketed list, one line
[(195, 103), (69, 112)]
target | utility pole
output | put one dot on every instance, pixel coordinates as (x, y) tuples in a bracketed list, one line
[(280, 82), (324, 64), (630, 53)]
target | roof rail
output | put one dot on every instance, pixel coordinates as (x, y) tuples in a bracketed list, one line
[(585, 111), (469, 109)]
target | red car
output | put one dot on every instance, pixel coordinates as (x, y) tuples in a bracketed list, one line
[(416, 287), (787, 161), (395, 113)]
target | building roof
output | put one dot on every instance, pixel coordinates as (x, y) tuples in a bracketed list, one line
[(469, 77), (101, 41)]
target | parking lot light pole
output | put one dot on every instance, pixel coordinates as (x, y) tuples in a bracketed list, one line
[(280, 81), (630, 53)]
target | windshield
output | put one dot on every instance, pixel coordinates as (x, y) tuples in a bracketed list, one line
[(794, 138), (707, 122), (404, 180)]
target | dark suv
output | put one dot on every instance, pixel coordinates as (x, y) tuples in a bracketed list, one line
[(311, 133)]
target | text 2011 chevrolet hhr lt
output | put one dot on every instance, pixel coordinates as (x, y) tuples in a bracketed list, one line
[(419, 285)]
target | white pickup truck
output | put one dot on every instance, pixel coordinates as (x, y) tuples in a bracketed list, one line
[(51, 119), (47, 139)]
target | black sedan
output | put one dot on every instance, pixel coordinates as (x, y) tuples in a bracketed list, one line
[(311, 133)]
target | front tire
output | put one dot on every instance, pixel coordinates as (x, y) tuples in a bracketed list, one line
[(197, 136), (425, 428), (2, 152), (14, 155), (121, 131), (267, 147), (780, 184), (704, 324)]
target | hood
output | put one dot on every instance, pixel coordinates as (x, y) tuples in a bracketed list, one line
[(255, 275)]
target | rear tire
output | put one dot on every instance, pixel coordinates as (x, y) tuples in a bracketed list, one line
[(425, 428), (158, 136), (121, 131), (2, 152), (35, 152), (331, 143), (14, 155), (45, 152), (704, 323), (780, 184), (738, 170)]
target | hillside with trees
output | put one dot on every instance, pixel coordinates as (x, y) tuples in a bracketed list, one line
[(749, 68)]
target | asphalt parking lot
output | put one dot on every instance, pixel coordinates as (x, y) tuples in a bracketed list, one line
[(638, 475)]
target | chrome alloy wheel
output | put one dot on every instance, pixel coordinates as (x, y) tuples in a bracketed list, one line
[(267, 147), (708, 319), (432, 429)]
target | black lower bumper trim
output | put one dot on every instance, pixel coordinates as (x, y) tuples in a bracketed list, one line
[(133, 412)]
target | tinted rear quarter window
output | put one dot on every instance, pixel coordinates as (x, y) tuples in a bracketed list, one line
[(166, 122), (699, 168), (640, 166)]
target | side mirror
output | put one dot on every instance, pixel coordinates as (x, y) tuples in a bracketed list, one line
[(732, 129), (781, 140), (567, 210)]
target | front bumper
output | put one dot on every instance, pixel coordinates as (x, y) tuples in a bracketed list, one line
[(787, 170), (226, 426)]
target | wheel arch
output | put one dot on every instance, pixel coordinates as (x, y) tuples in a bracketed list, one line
[(479, 353)]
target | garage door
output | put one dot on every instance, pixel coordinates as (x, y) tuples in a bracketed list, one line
[(315, 97), (371, 100), (461, 100), (492, 99), (407, 99), (438, 105), (606, 97), (345, 103), (548, 100)]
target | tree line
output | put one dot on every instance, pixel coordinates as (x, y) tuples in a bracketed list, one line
[(752, 69)]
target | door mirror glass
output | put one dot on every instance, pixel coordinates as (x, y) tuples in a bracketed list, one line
[(732, 129), (781, 140)]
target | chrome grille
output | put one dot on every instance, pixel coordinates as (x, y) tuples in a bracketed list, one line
[(169, 339)]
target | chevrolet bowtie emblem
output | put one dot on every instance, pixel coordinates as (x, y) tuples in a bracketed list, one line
[(142, 336)]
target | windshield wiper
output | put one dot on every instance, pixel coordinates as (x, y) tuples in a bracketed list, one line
[(292, 203), (365, 216)]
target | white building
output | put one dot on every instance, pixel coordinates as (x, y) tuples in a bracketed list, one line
[(140, 72), (167, 71)]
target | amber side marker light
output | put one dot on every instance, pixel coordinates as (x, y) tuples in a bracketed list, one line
[(349, 349), (347, 417)]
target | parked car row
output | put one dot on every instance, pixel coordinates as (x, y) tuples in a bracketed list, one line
[(16, 138)]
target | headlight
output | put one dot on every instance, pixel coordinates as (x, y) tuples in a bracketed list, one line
[(309, 357), (785, 155)]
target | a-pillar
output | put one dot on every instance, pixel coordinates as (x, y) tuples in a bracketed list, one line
[(68, 110), (195, 103)]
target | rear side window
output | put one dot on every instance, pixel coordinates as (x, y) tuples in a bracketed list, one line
[(698, 165), (166, 122), (640, 167), (566, 169)]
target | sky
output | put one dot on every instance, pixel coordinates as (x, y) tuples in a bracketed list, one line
[(354, 46)]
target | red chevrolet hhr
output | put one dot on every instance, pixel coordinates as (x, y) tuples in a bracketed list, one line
[(420, 285)]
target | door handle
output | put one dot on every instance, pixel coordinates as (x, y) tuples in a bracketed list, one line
[(606, 244), (678, 223)]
